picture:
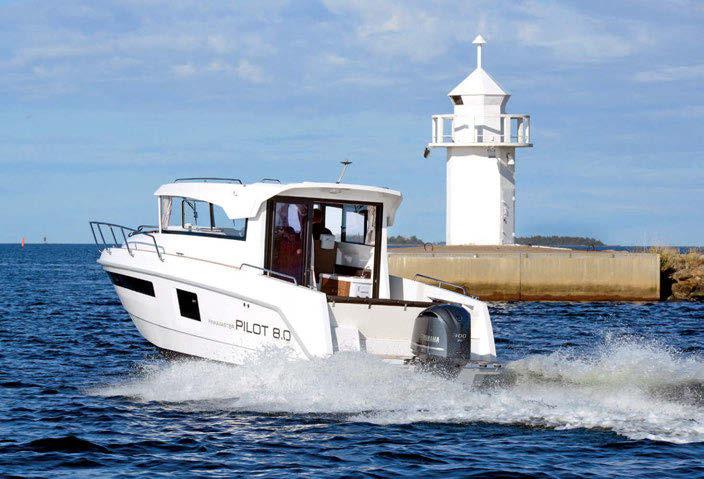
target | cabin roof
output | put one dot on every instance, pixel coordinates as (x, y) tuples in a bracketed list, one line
[(245, 201)]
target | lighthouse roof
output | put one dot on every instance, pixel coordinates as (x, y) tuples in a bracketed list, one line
[(479, 82)]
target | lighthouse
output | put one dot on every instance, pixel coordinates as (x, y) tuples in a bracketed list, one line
[(481, 141)]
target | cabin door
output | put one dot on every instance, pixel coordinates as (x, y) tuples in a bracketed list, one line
[(289, 238)]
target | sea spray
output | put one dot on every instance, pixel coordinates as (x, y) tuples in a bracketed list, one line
[(620, 361), (618, 387)]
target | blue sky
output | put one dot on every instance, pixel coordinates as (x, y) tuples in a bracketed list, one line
[(103, 101)]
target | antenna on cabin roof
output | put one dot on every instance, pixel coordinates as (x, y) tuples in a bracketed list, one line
[(345, 164)]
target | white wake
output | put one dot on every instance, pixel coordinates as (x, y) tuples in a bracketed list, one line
[(636, 389)]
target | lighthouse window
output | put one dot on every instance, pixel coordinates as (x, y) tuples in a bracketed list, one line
[(457, 99)]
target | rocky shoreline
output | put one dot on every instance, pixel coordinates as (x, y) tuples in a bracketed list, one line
[(681, 274)]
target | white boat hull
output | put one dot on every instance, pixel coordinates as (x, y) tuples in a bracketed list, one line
[(234, 321), (243, 312)]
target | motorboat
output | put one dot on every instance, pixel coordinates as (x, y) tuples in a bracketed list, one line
[(232, 269)]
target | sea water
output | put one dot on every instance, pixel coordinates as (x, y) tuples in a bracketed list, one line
[(603, 389)]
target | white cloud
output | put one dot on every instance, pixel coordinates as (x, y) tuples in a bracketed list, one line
[(184, 70), (422, 31), (363, 80), (219, 43), (131, 41), (668, 74), (363, 43), (412, 29), (74, 47), (218, 67), (244, 70), (574, 36), (248, 71), (687, 111), (335, 60)]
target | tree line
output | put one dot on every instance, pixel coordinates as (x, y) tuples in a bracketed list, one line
[(535, 240), (539, 240)]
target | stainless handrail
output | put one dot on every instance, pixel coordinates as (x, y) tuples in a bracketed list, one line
[(270, 180), (205, 180), (140, 229), (270, 272), (442, 282), (131, 231)]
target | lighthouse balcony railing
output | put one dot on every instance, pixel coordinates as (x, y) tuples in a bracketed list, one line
[(508, 129)]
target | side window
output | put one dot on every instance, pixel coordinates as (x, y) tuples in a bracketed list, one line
[(188, 304), (236, 228), (187, 215), (171, 212), (333, 220), (195, 213), (354, 223)]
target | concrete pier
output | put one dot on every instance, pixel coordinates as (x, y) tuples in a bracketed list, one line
[(504, 273)]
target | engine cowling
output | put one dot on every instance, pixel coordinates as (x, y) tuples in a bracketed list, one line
[(442, 338)]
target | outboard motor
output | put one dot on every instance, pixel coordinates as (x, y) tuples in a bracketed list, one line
[(442, 339)]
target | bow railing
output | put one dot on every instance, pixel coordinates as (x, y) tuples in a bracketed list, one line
[(124, 232)]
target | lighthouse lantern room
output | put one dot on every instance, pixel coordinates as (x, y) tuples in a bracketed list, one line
[(481, 141)]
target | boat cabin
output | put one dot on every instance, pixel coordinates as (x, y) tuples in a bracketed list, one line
[(326, 236)]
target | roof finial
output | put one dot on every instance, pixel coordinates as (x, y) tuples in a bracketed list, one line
[(479, 42)]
